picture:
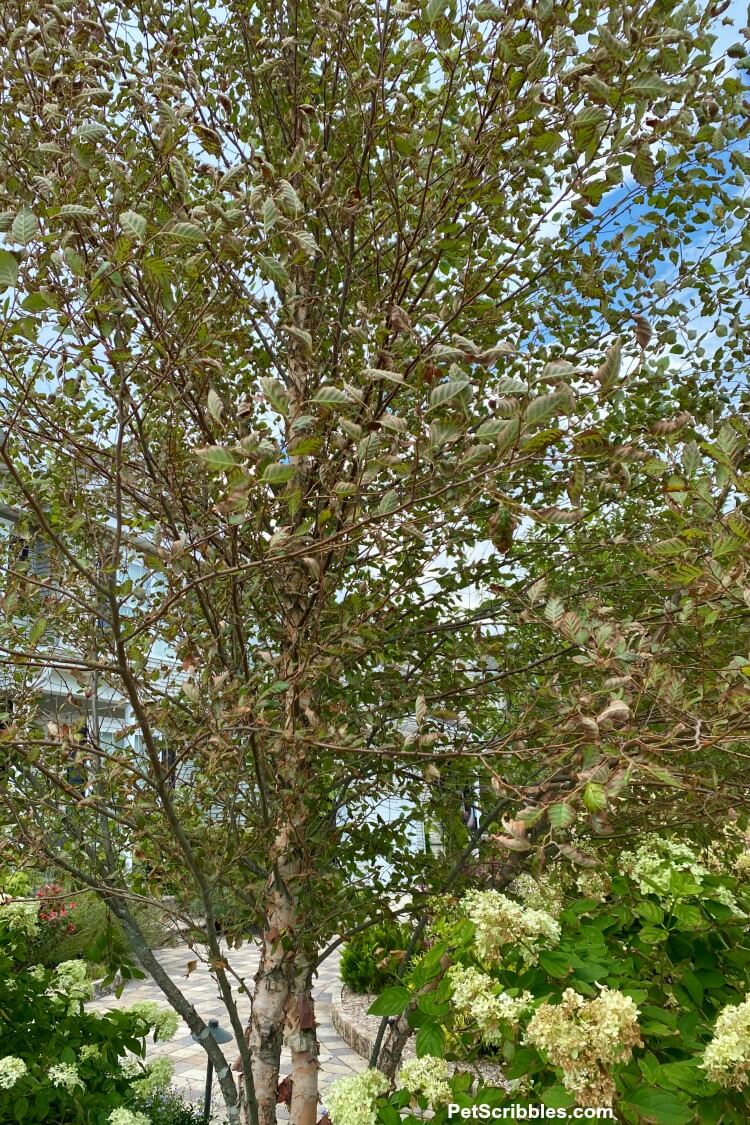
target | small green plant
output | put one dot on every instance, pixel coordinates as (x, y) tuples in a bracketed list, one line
[(370, 959)]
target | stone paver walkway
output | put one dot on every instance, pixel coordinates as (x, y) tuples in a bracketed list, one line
[(189, 1059)]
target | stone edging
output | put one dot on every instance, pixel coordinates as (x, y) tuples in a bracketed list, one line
[(361, 1040), (358, 1038)]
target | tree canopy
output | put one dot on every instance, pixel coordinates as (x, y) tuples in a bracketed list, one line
[(373, 380)]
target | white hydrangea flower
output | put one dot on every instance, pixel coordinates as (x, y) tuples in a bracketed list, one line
[(65, 1075), (88, 1051), (163, 1020), (20, 917), (156, 1076), (70, 980), (427, 1076), (123, 1116), (540, 892), (727, 1057), (500, 921), (350, 1101), (742, 864), (586, 1038), (478, 1000), (131, 1067), (651, 866), (592, 884), (11, 1069)]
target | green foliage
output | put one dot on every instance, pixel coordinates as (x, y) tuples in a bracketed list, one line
[(383, 342), (98, 935), (59, 1062), (166, 1107), (659, 943), (370, 960)]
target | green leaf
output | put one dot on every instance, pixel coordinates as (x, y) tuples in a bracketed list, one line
[(90, 134), (75, 261), (611, 43), (389, 503), (489, 12), (557, 1097), (25, 227), (37, 630), (217, 457), (445, 392), (608, 371), (555, 963), (693, 986), (133, 224), (509, 385), (650, 911), (271, 216), (277, 394), (75, 211), (377, 373), (391, 1002), (434, 10), (179, 175), (278, 474), (561, 815), (652, 935), (187, 232), (491, 428), (650, 86), (306, 242), (215, 405), (387, 1115), (289, 199), (8, 270), (594, 796), (560, 517), (274, 270), (430, 1040), (548, 406), (331, 396), (644, 168), (660, 1107)]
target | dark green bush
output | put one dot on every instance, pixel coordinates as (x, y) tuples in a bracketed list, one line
[(167, 1107), (370, 959)]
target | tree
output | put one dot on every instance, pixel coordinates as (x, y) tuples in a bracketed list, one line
[(313, 311)]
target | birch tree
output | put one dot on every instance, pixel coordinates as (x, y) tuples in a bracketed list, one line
[(311, 313)]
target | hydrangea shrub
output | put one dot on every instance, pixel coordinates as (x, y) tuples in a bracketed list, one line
[(59, 1062), (624, 985)]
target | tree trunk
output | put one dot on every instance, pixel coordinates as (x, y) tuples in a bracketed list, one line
[(271, 996), (282, 1001), (302, 1040), (393, 1048)]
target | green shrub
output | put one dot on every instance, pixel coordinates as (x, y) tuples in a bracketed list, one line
[(60, 1063), (96, 935), (627, 984), (166, 1107), (370, 959)]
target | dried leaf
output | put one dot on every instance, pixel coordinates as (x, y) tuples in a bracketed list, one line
[(643, 330)]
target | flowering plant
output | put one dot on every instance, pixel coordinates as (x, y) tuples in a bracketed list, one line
[(54, 912), (59, 1062), (627, 985)]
